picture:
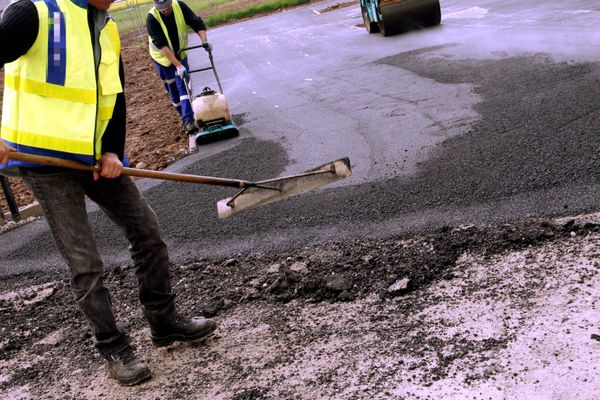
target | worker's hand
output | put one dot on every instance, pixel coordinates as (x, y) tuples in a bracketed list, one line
[(110, 166), (182, 72), (4, 150), (207, 46)]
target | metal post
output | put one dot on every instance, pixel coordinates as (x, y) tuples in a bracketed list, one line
[(135, 11), (10, 199)]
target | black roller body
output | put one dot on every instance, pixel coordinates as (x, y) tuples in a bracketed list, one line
[(397, 16)]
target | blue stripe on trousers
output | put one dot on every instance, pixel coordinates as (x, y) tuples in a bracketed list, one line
[(176, 89)]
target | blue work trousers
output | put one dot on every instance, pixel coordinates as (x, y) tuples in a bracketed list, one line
[(62, 197), (177, 91)]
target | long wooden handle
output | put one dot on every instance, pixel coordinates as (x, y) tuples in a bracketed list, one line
[(142, 173)]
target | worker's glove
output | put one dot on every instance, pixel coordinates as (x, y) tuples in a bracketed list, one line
[(182, 72), (207, 46)]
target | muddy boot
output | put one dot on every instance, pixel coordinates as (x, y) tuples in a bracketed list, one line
[(165, 330), (126, 368), (190, 128)]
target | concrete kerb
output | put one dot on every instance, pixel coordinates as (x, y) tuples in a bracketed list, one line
[(32, 210), (28, 213)]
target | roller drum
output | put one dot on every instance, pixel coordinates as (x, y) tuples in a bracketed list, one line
[(397, 16)]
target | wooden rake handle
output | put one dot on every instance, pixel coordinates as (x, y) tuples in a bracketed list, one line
[(142, 173)]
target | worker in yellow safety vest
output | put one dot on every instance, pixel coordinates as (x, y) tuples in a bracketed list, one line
[(63, 97), (168, 24)]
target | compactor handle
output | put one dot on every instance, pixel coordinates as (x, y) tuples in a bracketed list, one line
[(191, 48), (212, 64)]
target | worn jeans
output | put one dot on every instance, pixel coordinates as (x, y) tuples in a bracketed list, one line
[(62, 197)]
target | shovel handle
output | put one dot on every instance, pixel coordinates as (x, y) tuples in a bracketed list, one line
[(141, 173)]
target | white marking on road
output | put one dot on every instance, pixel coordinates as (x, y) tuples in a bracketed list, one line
[(473, 12), (577, 11)]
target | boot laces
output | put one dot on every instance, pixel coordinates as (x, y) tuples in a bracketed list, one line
[(124, 356)]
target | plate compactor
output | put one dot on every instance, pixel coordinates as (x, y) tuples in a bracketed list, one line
[(389, 17), (211, 111)]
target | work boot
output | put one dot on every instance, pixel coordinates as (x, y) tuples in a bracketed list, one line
[(126, 368), (164, 331), (190, 128)]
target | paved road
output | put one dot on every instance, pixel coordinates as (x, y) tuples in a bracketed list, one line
[(490, 117)]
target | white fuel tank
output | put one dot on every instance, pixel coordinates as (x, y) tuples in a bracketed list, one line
[(210, 106)]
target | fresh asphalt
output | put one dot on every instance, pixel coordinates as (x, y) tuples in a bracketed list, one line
[(490, 117)]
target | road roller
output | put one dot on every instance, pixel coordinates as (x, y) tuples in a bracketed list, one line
[(390, 17)]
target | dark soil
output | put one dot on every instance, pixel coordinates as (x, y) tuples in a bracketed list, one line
[(341, 272)]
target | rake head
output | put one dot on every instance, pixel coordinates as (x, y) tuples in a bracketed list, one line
[(269, 191)]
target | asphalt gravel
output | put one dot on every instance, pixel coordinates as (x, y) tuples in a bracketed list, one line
[(520, 160)]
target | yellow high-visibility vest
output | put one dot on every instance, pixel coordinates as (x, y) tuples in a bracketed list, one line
[(182, 32), (55, 101)]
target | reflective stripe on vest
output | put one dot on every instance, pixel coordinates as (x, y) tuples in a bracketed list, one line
[(52, 102), (182, 31)]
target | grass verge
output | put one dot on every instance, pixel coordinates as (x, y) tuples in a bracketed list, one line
[(229, 16), (134, 17)]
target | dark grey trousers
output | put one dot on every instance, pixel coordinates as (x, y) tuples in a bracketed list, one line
[(62, 197)]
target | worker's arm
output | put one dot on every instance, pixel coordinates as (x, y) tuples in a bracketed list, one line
[(4, 150), (194, 22), (19, 25), (191, 19), (171, 56), (113, 140), (111, 166), (18, 31), (203, 37)]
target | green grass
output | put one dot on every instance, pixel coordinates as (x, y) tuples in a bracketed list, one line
[(133, 18), (206, 5), (221, 18)]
